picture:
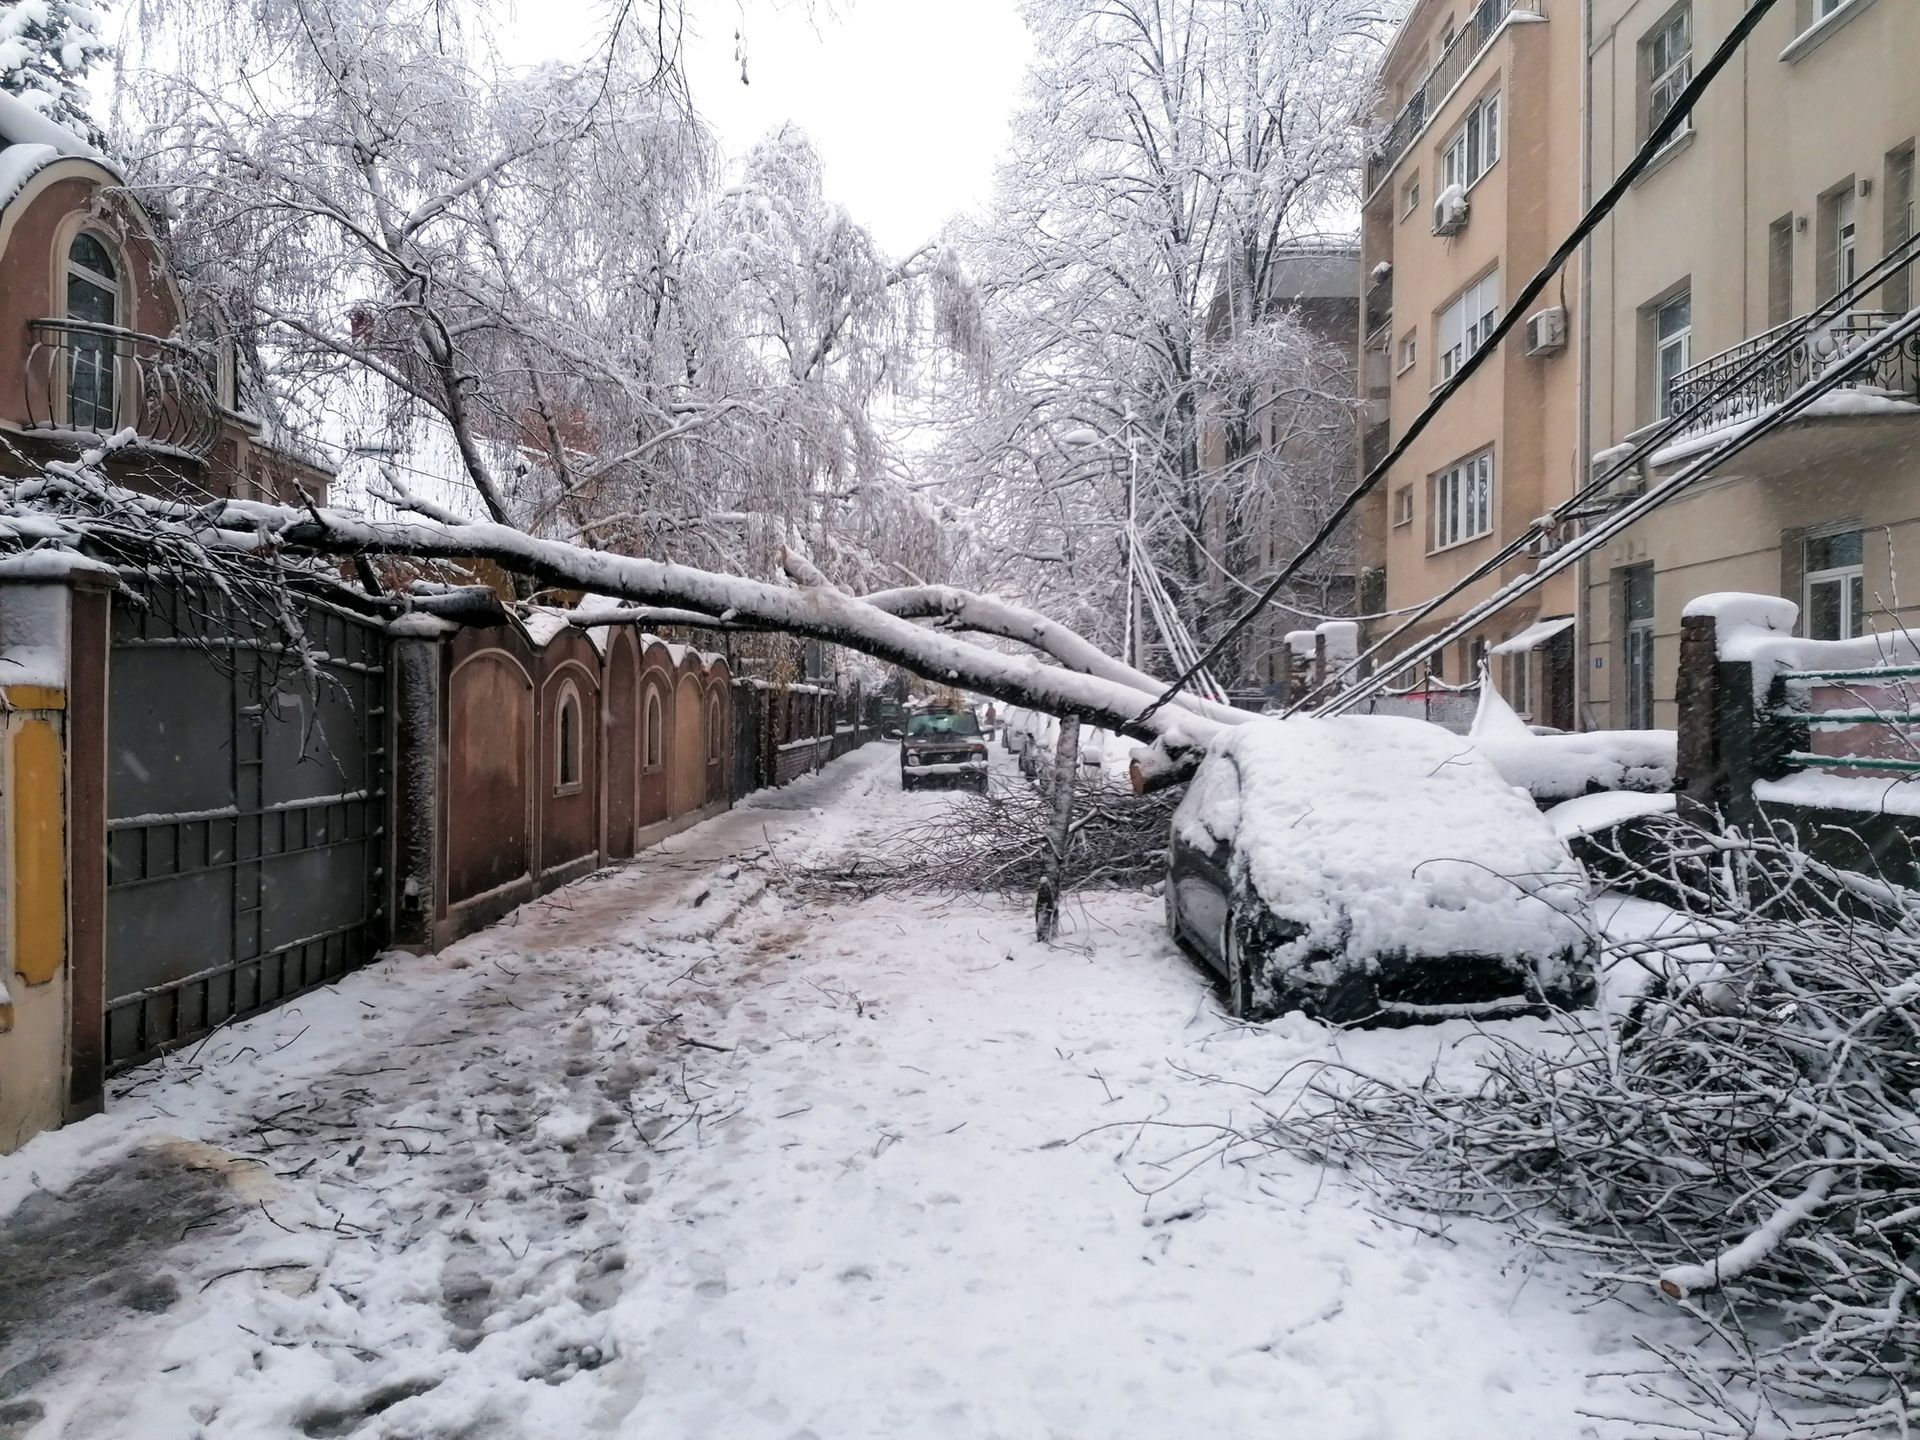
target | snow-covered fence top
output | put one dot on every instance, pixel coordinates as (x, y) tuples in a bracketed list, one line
[(1827, 724)]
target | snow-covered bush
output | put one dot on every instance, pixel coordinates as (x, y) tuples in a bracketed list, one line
[(1743, 1144)]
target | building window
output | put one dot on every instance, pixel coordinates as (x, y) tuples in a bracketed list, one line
[(93, 298), (1672, 349), (1410, 197), (651, 731), (1520, 683), (1636, 606), (1839, 239), (1666, 58), (1780, 271), (1899, 217), (1463, 501), (1475, 146), (566, 740), (1835, 586), (1403, 506), (1467, 322), (716, 733), (1409, 352)]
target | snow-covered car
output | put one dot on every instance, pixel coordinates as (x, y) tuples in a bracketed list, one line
[(1374, 868), (943, 747)]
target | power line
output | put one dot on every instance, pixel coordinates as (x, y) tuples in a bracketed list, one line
[(1656, 141)]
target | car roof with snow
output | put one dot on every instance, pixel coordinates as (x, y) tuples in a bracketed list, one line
[(1386, 836)]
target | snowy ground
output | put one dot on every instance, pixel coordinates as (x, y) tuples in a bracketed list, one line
[(675, 1154)]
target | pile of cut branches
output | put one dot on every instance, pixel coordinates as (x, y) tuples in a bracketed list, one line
[(1741, 1141), (997, 843)]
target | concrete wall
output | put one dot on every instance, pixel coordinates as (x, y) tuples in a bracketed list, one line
[(1787, 123), (512, 825)]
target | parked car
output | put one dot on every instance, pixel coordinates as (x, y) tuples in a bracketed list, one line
[(1373, 869), (943, 747)]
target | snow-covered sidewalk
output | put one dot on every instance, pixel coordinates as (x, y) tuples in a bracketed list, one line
[(675, 1153)]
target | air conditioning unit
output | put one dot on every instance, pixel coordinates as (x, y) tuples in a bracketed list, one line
[(1547, 332), (1450, 211)]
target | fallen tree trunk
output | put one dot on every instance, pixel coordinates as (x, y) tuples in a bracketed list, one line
[(73, 504)]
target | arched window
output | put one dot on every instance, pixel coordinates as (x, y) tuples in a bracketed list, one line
[(93, 299), (715, 735), (652, 731), (566, 737)]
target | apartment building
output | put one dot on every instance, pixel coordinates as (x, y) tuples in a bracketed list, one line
[(1476, 180), (1794, 175)]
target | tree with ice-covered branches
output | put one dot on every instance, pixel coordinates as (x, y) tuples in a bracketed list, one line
[(46, 48), (1170, 160)]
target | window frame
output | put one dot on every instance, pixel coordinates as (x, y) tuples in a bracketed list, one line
[(1638, 641), (1482, 301), (1403, 506), (1671, 75), (1520, 683), (1474, 141), (653, 713), (1409, 352), (569, 761), (1410, 196), (104, 357), (1460, 502), (716, 730), (1848, 578), (1680, 340)]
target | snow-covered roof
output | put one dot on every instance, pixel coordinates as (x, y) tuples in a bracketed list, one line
[(29, 142), (1533, 637)]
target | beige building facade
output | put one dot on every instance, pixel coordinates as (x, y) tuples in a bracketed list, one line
[(1795, 174), (1478, 178)]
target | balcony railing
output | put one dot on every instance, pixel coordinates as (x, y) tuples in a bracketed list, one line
[(1454, 62), (89, 379), (1787, 357)]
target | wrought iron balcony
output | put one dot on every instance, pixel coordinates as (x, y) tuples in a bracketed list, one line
[(1785, 358), (91, 380), (1453, 64)]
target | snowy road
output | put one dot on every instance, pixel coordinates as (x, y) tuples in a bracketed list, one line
[(676, 1154)]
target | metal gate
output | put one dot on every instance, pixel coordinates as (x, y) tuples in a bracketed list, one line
[(749, 703), (245, 811)]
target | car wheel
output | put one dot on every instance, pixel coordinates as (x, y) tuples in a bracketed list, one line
[(1239, 970), (905, 783)]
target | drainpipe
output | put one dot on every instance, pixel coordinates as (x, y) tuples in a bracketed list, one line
[(1583, 427)]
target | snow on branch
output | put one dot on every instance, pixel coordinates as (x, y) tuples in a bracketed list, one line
[(76, 506)]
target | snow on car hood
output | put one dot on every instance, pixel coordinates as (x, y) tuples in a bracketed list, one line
[(1385, 836)]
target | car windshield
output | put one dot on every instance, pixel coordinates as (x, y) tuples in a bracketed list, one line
[(958, 722)]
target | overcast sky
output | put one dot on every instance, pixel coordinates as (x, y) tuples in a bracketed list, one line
[(906, 100)]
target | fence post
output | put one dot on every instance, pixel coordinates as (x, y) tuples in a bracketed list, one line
[(418, 670), (1716, 730), (54, 624)]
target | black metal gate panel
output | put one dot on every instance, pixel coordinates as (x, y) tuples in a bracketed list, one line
[(746, 740), (246, 786)]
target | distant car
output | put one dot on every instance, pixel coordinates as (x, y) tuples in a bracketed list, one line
[(1373, 869), (943, 747)]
